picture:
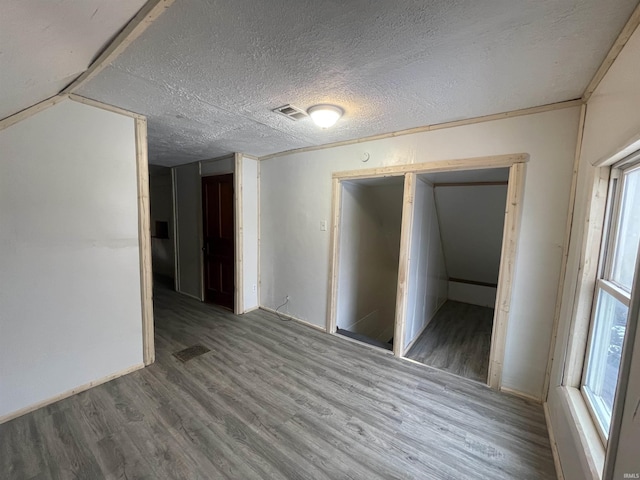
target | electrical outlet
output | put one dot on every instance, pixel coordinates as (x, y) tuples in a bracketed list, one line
[(255, 287), (286, 299), (323, 225)]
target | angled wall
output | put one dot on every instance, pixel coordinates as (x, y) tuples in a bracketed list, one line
[(611, 129), (70, 304)]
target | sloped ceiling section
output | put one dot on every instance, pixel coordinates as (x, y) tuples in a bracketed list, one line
[(207, 73), (45, 45), (471, 219)]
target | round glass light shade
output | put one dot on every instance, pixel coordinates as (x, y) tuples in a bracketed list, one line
[(325, 116)]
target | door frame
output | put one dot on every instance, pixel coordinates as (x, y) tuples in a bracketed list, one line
[(511, 232), (238, 302)]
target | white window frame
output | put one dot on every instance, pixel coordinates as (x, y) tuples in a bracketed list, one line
[(604, 281)]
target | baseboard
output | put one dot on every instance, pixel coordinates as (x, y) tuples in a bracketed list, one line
[(522, 395), (552, 441), (289, 317), (69, 393), (252, 309)]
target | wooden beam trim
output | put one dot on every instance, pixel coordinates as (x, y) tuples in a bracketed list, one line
[(565, 253), (473, 163), (138, 24), (144, 239), (626, 33), (103, 106), (32, 110), (404, 264), (433, 127)]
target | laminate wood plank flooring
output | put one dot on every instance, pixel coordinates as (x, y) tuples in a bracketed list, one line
[(276, 400), (457, 340)]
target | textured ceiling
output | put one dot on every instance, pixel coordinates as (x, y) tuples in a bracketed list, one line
[(208, 72), (45, 45)]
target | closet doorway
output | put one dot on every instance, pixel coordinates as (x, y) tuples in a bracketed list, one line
[(443, 235), (371, 218), (458, 224)]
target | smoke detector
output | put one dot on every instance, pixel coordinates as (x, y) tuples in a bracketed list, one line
[(291, 112)]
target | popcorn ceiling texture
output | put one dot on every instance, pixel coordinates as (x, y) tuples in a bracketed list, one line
[(45, 45), (208, 73)]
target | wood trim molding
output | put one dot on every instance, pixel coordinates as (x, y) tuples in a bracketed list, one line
[(565, 254), (238, 235), (628, 30), (144, 239), (32, 110), (473, 163), (402, 294), (334, 249), (259, 260), (506, 274), (103, 106), (587, 272), (138, 24), (68, 393), (438, 126)]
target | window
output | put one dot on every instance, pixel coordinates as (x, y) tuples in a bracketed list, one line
[(613, 293)]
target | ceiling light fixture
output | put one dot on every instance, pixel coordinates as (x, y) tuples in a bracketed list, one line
[(325, 116)]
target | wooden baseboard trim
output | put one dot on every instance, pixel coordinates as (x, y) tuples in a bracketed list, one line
[(69, 393), (522, 395), (552, 441), (289, 317)]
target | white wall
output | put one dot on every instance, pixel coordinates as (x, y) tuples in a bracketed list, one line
[(250, 210), (369, 259), (481, 295), (188, 228), (471, 221), (70, 309), (161, 207), (296, 196), (612, 122), (427, 280), (217, 166)]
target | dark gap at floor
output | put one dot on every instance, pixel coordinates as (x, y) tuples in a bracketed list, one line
[(457, 340), (365, 339)]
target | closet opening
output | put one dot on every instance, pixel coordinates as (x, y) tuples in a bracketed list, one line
[(422, 260), (371, 218), (456, 245)]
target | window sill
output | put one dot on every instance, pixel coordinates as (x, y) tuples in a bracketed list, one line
[(585, 430)]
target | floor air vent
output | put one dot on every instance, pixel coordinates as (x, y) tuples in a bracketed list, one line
[(191, 352), (289, 111)]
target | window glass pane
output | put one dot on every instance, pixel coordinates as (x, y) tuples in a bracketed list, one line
[(604, 359), (626, 248)]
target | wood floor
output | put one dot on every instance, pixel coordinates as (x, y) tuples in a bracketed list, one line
[(276, 400), (457, 340)]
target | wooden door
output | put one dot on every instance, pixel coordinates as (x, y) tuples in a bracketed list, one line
[(218, 233)]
